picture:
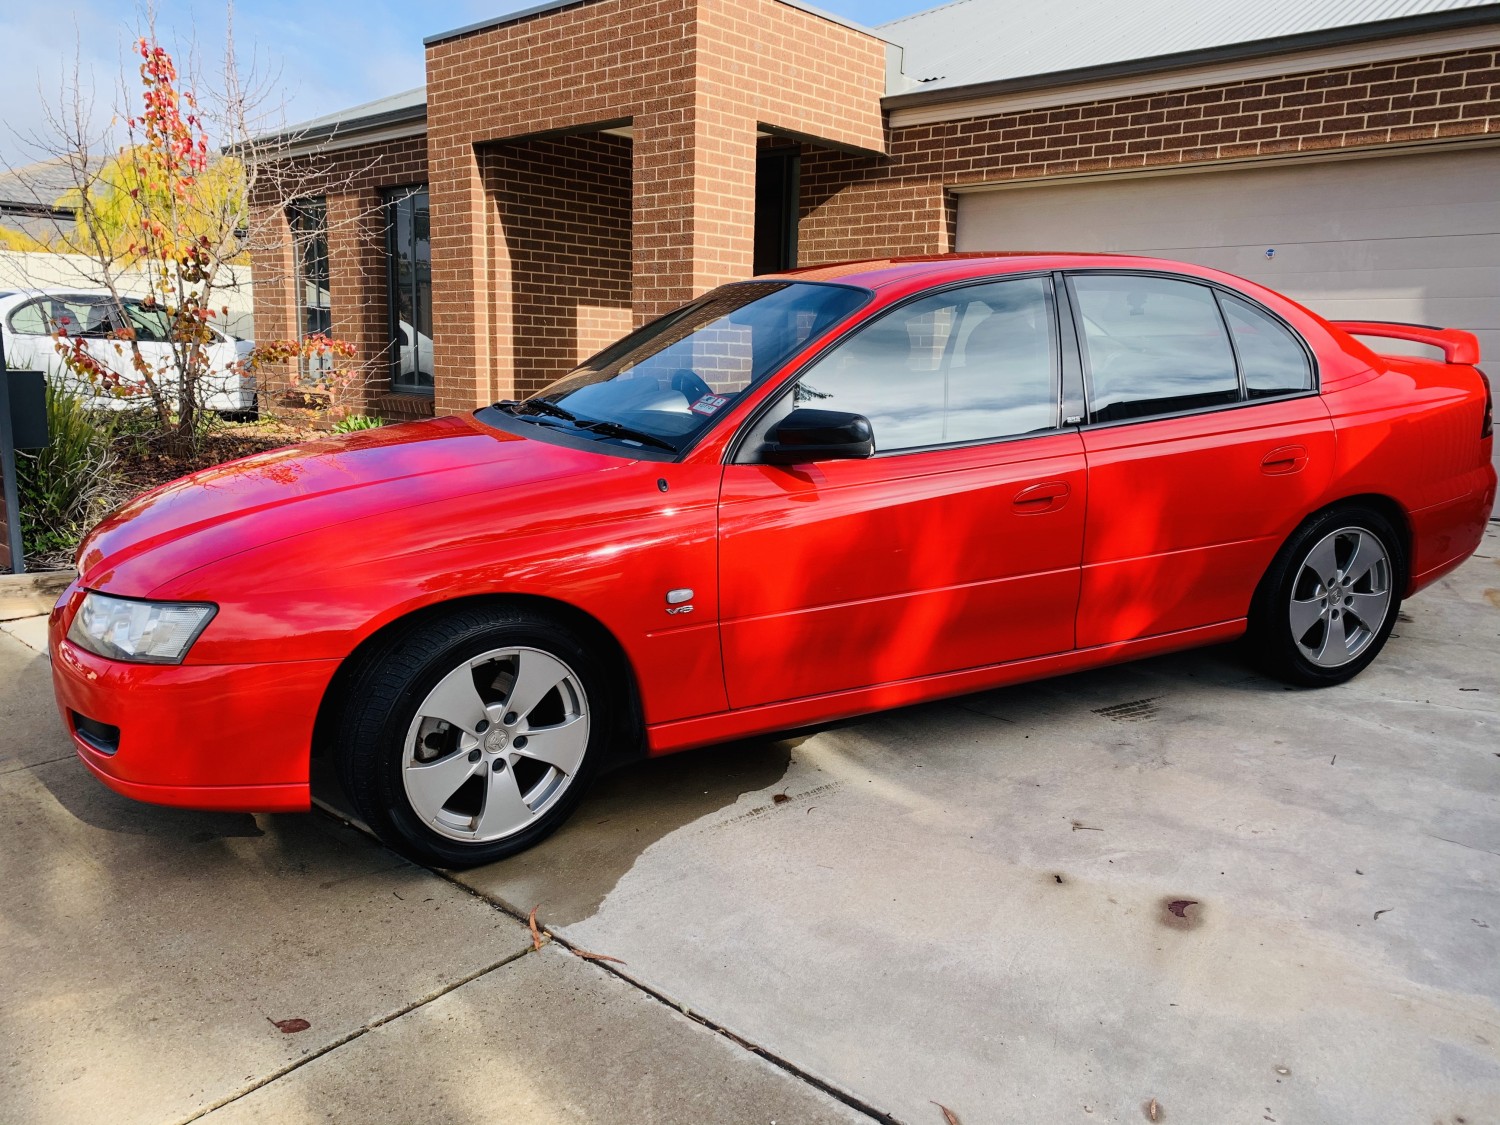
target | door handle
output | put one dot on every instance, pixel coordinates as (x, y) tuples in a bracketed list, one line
[(1287, 459), (1045, 497)]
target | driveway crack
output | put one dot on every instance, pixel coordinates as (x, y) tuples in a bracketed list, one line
[(350, 1037)]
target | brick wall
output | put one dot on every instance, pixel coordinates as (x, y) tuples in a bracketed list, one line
[(564, 205), (352, 181), (854, 208), (691, 79)]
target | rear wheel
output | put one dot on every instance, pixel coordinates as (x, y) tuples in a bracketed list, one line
[(473, 737), (1328, 603)]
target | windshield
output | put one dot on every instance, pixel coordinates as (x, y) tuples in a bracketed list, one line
[(664, 383)]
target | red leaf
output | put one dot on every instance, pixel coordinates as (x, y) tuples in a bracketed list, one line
[(289, 1027), (948, 1115), (536, 934)]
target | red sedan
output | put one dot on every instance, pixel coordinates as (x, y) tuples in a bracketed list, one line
[(796, 499)]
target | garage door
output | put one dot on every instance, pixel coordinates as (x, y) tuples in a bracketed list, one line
[(1413, 237)]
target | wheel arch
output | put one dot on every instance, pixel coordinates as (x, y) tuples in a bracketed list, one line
[(629, 748), (1387, 506)]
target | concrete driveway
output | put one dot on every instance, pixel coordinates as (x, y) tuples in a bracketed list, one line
[(1172, 890)]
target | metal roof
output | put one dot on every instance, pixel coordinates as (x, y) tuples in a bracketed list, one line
[(978, 42)]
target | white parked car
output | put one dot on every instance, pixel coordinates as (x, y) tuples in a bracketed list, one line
[(30, 317)]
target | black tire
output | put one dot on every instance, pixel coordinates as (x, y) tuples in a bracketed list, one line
[(375, 749), (1290, 592)]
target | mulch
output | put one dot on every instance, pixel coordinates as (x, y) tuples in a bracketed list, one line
[(141, 465)]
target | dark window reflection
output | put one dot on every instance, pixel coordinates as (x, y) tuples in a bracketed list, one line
[(1273, 361), (966, 365), (1153, 345), (409, 257)]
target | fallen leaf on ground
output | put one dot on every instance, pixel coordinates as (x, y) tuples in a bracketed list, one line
[(536, 934), (1387, 910), (1153, 1111), (1079, 826), (948, 1115), (779, 799), (289, 1027), (597, 956), (1179, 908)]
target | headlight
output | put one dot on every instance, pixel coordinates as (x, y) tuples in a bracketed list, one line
[(141, 632)]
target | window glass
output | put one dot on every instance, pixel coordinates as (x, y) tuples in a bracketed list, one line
[(150, 324), (309, 219), (965, 365), (663, 384), (31, 320), (409, 274), (1273, 361), (1153, 346)]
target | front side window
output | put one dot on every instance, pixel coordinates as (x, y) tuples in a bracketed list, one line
[(664, 384), (409, 276), (1152, 345), (972, 364)]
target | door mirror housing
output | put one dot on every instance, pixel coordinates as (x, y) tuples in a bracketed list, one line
[(818, 435)]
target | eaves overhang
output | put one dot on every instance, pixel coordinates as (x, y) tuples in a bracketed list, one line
[(1452, 20)]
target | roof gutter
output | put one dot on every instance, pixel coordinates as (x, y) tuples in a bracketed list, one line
[(1234, 52), (339, 130)]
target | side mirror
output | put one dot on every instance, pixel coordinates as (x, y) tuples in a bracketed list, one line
[(818, 435)]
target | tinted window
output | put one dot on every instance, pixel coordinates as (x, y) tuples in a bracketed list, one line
[(1153, 346), (1273, 361), (964, 365)]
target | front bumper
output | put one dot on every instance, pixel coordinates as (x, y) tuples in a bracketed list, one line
[(224, 737)]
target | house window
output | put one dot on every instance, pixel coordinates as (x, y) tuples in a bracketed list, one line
[(309, 219), (409, 274)]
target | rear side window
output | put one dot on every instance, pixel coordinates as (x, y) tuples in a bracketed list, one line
[(1273, 360), (972, 364), (1152, 346)]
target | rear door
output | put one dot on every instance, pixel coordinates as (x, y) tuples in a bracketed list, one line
[(957, 545), (1207, 444)]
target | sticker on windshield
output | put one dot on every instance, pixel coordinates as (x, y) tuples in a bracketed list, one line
[(709, 405)]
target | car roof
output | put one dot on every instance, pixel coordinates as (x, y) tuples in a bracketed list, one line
[(879, 273)]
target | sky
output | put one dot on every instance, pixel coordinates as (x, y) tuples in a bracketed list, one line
[(310, 58)]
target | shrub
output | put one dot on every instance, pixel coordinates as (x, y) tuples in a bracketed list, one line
[(67, 487), (356, 422)]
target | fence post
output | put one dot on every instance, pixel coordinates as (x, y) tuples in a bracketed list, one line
[(23, 425)]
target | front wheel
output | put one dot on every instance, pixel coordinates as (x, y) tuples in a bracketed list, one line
[(1328, 603), (474, 737)]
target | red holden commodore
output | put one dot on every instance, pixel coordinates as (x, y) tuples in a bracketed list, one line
[(797, 499)]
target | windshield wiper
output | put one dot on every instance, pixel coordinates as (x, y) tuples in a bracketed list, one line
[(591, 425), (535, 406), (615, 429)]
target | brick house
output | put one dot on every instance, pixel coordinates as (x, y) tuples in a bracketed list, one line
[(583, 166)]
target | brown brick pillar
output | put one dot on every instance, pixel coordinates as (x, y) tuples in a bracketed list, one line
[(274, 285), (357, 284), (693, 214), (471, 295)]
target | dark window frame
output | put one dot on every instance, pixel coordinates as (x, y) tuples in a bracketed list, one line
[(417, 279)]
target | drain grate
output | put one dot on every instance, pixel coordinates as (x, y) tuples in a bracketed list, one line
[(1136, 711)]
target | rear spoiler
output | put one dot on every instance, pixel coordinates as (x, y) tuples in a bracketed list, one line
[(1458, 346)]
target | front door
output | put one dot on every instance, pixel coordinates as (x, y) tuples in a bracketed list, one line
[(956, 546)]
